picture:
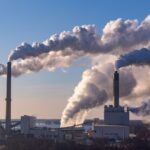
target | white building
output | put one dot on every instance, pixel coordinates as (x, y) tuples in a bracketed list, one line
[(27, 122)]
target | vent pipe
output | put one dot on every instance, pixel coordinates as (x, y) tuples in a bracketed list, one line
[(8, 100)]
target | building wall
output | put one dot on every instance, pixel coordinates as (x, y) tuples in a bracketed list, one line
[(111, 131), (116, 123), (116, 115)]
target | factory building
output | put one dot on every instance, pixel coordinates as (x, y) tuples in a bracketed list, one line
[(29, 128), (27, 123), (116, 118)]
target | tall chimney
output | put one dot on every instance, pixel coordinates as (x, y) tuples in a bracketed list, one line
[(8, 100), (116, 89)]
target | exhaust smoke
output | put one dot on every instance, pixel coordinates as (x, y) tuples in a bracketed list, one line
[(61, 50), (142, 110), (137, 58)]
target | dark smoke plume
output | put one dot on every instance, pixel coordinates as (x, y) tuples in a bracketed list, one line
[(137, 58), (143, 110)]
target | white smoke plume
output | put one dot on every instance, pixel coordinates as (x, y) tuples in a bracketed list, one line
[(49, 61), (126, 34), (87, 95), (137, 58), (117, 34), (118, 37), (81, 38)]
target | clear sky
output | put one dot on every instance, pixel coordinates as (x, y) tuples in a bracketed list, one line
[(45, 94)]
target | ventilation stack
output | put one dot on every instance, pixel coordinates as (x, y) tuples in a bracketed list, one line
[(116, 89), (8, 100)]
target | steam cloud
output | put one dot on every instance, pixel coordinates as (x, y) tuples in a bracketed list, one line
[(124, 34), (49, 61), (61, 50)]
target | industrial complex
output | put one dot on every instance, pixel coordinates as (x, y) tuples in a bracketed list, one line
[(115, 125)]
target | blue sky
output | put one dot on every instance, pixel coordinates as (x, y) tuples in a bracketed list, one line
[(35, 20)]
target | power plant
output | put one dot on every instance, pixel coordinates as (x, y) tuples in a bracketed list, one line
[(115, 125)]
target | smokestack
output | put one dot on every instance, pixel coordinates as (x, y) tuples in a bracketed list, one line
[(8, 100), (116, 89)]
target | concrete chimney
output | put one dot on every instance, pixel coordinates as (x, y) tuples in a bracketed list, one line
[(8, 100), (116, 89)]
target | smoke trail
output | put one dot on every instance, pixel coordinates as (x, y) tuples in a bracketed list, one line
[(81, 38), (94, 90), (143, 110), (119, 33), (49, 61), (118, 36), (137, 57)]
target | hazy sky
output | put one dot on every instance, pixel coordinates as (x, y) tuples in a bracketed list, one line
[(45, 94)]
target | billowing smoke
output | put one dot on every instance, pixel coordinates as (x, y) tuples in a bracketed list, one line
[(94, 90), (127, 82), (81, 38), (137, 57), (117, 34), (87, 95), (49, 61), (61, 50), (143, 110)]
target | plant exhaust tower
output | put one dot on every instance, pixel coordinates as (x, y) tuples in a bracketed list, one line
[(8, 100)]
